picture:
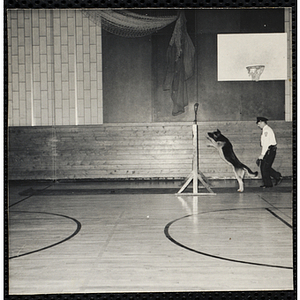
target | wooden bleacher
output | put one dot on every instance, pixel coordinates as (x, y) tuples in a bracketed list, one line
[(136, 151)]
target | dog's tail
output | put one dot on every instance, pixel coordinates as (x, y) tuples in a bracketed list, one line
[(254, 174)]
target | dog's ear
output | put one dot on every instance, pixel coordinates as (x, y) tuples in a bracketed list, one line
[(218, 131)]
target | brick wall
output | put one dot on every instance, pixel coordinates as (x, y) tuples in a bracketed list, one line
[(55, 68)]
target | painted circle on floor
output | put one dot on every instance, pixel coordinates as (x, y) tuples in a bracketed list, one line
[(229, 235), (37, 231)]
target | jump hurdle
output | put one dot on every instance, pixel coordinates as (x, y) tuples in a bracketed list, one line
[(196, 175)]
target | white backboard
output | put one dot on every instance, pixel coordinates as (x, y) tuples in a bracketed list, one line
[(237, 51)]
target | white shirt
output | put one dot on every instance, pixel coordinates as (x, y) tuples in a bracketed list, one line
[(267, 139)]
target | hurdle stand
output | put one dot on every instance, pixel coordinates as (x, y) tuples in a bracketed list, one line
[(196, 175)]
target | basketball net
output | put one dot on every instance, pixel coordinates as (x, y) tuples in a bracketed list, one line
[(255, 71)]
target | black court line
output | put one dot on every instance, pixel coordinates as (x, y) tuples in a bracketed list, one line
[(167, 234), (273, 206), (55, 244), (29, 195), (276, 216)]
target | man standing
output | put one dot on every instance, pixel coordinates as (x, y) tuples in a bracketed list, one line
[(268, 153)]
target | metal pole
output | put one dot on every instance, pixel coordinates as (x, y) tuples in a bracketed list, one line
[(195, 151), (195, 158)]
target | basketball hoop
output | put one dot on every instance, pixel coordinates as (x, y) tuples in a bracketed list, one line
[(255, 71)]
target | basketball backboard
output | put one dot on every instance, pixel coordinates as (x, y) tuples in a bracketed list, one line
[(237, 51)]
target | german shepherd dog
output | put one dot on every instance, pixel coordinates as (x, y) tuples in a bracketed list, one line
[(223, 145)]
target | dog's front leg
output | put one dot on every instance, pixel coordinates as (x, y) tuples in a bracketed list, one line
[(211, 142), (210, 145), (217, 145)]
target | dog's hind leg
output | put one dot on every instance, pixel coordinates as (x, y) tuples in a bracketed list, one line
[(239, 174)]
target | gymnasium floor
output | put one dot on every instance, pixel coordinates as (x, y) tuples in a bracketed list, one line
[(91, 237)]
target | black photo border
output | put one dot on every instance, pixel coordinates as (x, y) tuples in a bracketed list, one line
[(67, 4)]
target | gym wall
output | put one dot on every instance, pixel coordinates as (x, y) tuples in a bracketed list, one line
[(218, 101), (55, 68), (84, 103)]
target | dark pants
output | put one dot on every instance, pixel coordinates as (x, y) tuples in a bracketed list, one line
[(266, 168)]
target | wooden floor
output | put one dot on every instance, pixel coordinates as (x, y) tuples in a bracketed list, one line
[(84, 237)]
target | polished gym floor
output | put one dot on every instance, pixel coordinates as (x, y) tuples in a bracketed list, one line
[(97, 237)]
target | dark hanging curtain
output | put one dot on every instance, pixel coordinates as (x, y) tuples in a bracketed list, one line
[(180, 68)]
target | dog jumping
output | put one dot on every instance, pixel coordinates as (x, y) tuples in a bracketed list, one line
[(223, 145)]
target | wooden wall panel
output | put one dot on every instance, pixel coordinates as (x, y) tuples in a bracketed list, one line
[(130, 151)]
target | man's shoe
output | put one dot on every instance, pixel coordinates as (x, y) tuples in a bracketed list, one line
[(266, 186), (278, 181)]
